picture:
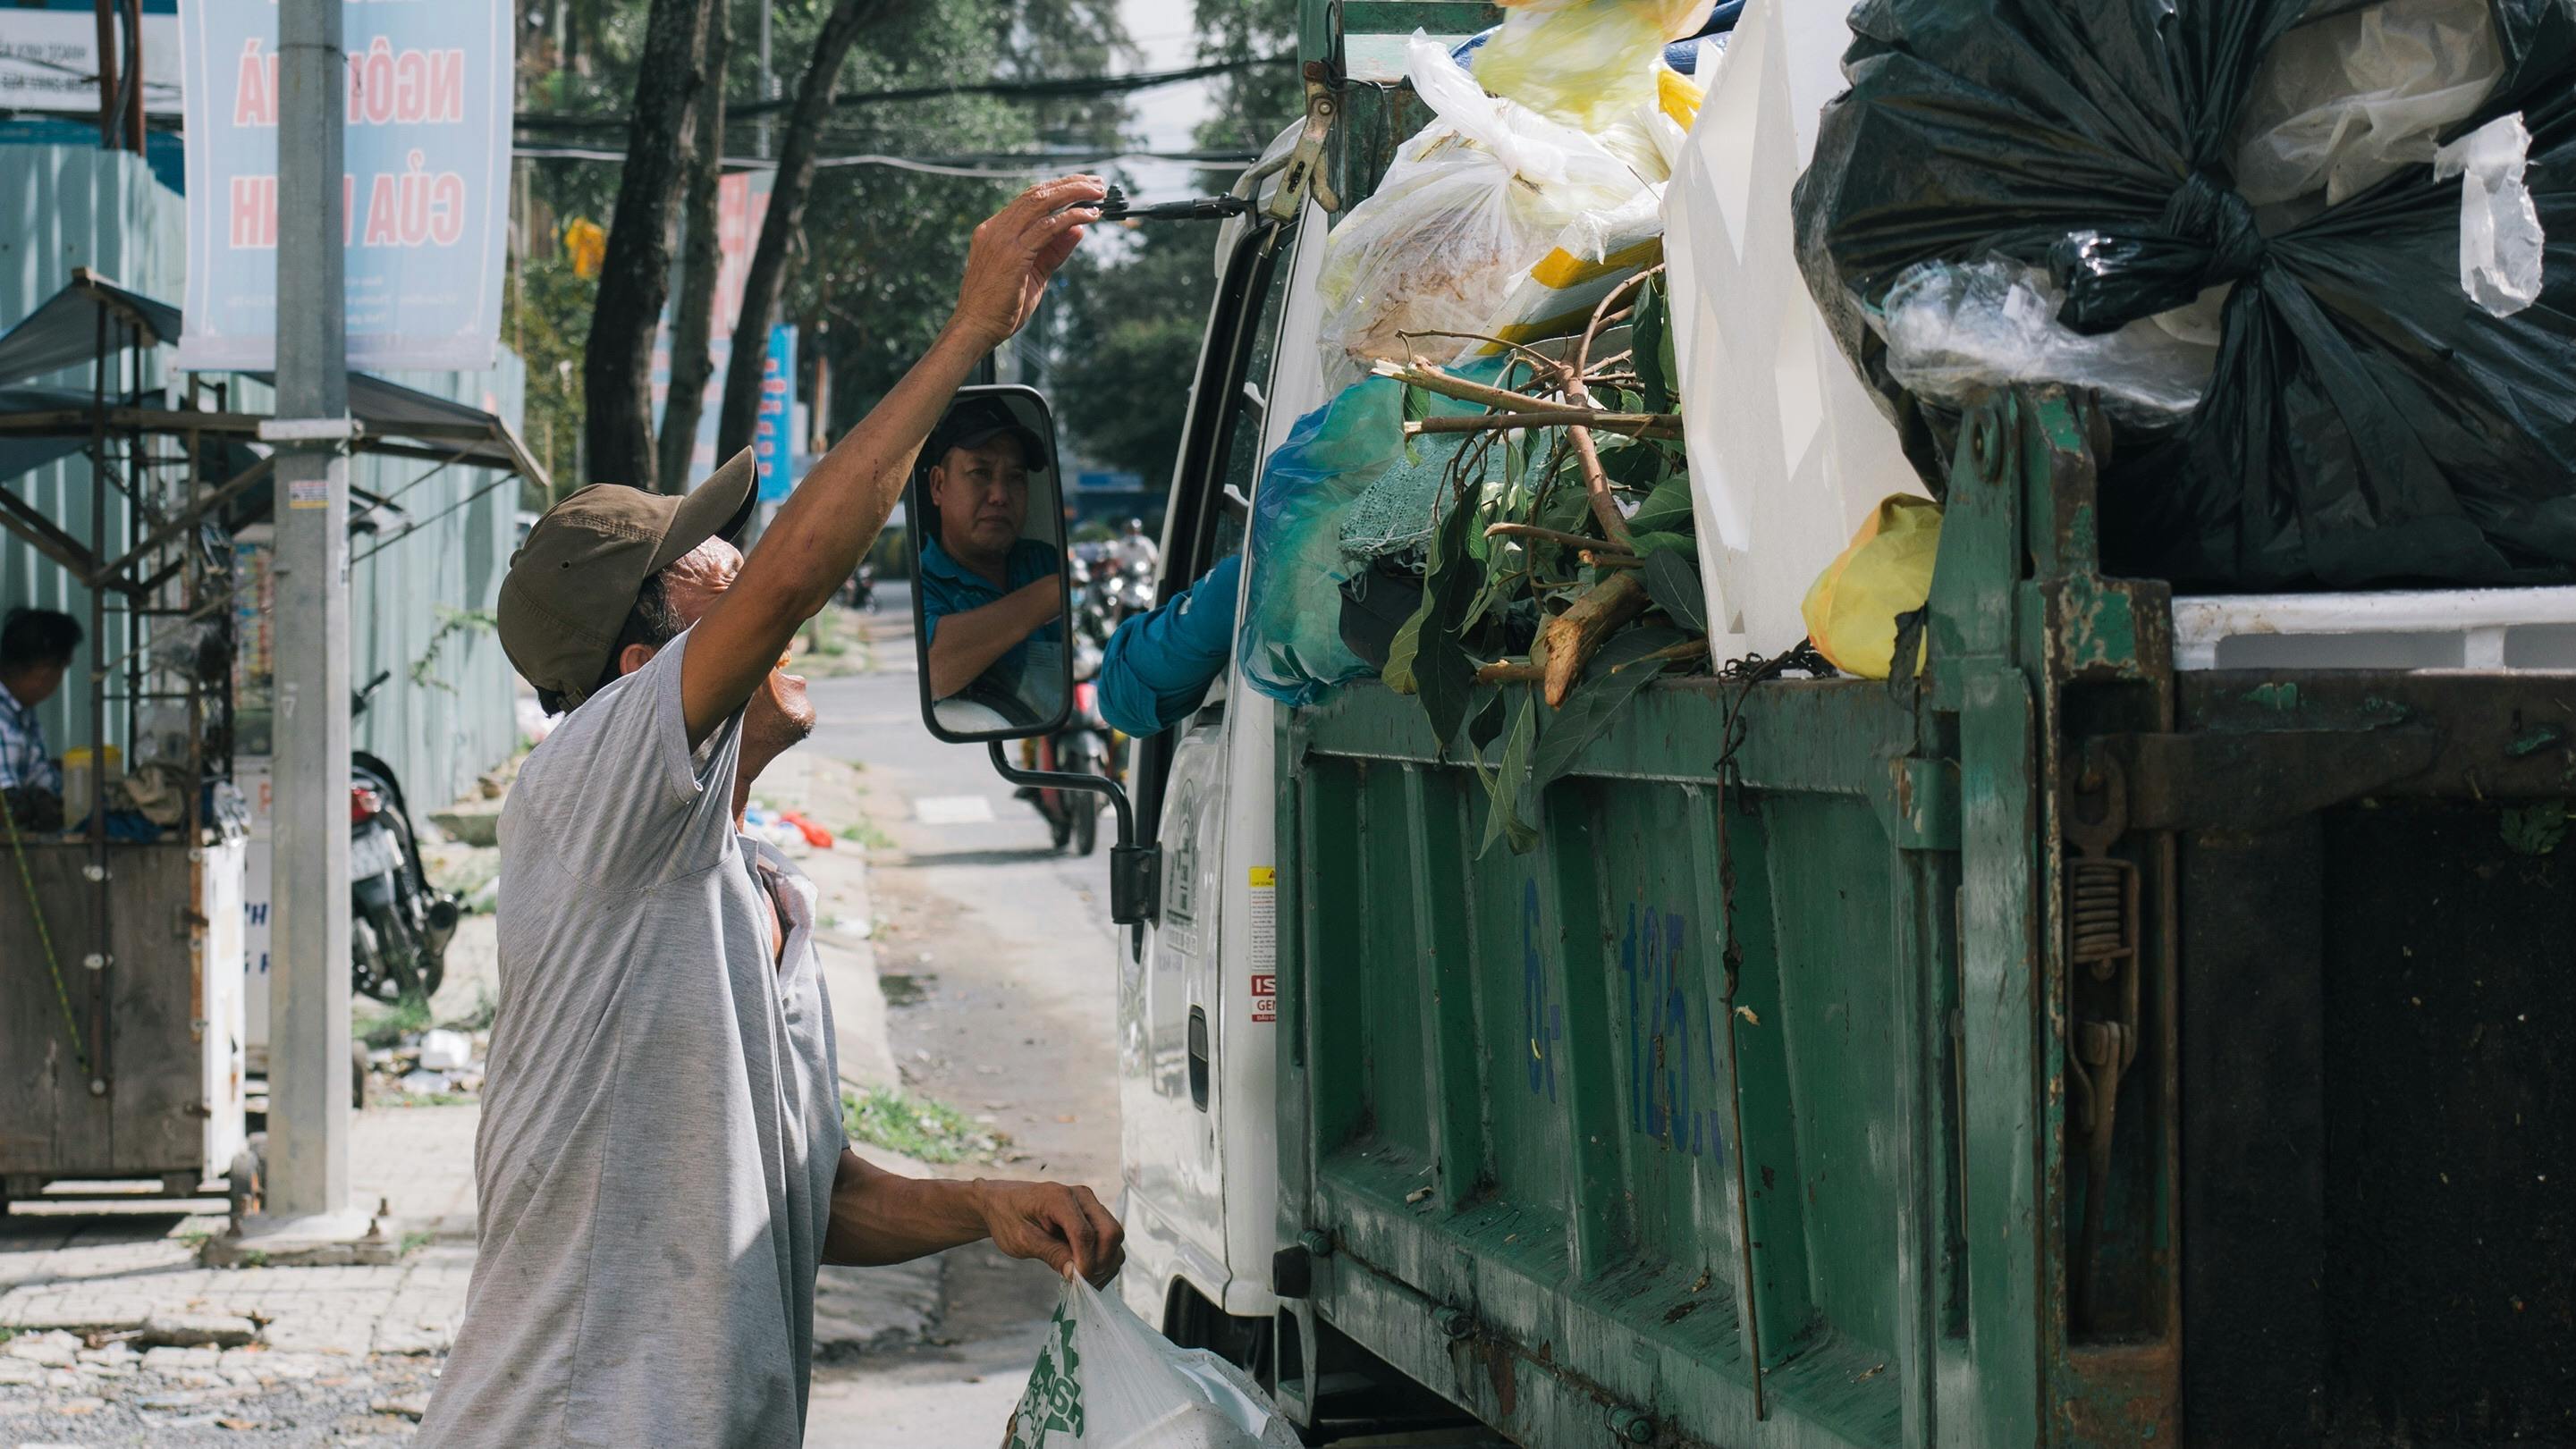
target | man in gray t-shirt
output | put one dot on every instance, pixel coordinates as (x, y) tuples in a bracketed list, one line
[(661, 1159)]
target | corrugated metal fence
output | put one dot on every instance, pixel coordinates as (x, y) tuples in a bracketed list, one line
[(420, 607)]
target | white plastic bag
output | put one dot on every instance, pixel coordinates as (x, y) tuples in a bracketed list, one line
[(1468, 207), (1106, 1381)]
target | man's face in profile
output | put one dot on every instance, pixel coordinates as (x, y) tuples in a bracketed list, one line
[(982, 494)]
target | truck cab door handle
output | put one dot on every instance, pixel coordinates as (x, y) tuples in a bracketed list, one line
[(1198, 1058)]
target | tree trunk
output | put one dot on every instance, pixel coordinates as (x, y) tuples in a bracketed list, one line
[(635, 276), (693, 321), (795, 181)]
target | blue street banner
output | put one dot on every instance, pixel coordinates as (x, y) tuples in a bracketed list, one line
[(773, 430), (424, 201)]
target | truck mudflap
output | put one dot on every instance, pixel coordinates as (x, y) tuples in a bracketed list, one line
[(2053, 1049)]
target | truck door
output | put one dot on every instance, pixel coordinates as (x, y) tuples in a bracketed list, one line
[(1199, 1201)]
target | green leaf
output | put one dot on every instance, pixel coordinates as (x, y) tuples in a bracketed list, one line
[(1672, 581), (1487, 726), (1398, 672), (1639, 464), (1590, 708), (1650, 543), (1511, 776), (1666, 510), (1654, 371), (1565, 508), (1417, 406)]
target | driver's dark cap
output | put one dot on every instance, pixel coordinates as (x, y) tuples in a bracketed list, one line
[(572, 584), (978, 421)]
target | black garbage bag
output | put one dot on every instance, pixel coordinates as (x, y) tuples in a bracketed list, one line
[(2365, 422)]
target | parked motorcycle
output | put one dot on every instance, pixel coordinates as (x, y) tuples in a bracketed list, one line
[(398, 926), (1086, 745)]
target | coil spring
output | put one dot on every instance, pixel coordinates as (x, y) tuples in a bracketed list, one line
[(2103, 927)]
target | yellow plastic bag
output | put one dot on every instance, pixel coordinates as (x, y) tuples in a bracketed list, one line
[(1851, 609), (1587, 63)]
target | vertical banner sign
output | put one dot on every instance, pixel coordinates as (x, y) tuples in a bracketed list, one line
[(424, 202), (773, 429)]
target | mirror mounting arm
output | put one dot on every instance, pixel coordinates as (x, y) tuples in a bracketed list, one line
[(1135, 871)]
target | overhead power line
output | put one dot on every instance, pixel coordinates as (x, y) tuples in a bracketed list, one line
[(1061, 88), (997, 167)]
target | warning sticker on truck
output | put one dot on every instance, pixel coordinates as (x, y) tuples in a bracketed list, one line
[(1263, 919)]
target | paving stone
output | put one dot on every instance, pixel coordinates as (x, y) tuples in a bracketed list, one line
[(17, 1371), (53, 1350), (175, 1360)]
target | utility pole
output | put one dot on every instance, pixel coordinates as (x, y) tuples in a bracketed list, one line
[(308, 1114)]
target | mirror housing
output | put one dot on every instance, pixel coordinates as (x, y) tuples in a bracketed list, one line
[(1002, 579)]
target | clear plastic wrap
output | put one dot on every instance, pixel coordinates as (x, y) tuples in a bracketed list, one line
[(2343, 103), (1950, 329)]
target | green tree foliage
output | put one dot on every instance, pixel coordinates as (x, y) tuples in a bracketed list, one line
[(1132, 310), (545, 317)]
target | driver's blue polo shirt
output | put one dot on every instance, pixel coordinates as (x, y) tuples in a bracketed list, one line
[(949, 587)]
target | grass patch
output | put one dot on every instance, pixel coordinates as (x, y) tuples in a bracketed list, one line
[(426, 1099), (197, 1238), (412, 1242), (917, 1127), (388, 1026), (866, 835)]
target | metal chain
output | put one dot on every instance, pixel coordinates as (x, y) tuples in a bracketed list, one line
[(44, 937)]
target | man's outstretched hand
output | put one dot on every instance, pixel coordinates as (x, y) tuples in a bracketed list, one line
[(1017, 249), (1062, 1227)]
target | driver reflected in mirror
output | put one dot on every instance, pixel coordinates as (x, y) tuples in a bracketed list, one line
[(991, 598)]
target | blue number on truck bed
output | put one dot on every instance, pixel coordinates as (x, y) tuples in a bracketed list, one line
[(1666, 1028), (1543, 1020)]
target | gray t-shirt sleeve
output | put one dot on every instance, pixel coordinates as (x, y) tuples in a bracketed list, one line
[(633, 805)]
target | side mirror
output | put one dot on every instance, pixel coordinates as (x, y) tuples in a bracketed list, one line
[(992, 608), (990, 602)]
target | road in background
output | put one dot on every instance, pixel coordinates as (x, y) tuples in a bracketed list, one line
[(997, 956)]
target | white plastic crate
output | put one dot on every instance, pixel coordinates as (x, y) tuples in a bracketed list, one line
[(2493, 630)]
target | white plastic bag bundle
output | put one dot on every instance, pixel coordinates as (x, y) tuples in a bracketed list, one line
[(1106, 1381), (1468, 207)]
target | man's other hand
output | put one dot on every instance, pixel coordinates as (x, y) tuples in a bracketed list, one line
[(1017, 249), (1062, 1227)]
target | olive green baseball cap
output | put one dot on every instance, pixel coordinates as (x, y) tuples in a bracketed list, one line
[(572, 584)]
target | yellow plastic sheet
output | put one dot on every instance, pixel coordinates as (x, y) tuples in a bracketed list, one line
[(1852, 608)]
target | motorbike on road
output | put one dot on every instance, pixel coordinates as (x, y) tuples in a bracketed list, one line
[(398, 926)]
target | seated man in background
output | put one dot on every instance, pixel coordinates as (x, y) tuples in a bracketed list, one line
[(987, 593), (35, 652)]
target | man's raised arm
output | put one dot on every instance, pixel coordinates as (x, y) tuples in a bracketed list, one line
[(835, 512)]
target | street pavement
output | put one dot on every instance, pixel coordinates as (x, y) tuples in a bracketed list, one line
[(1004, 952)]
